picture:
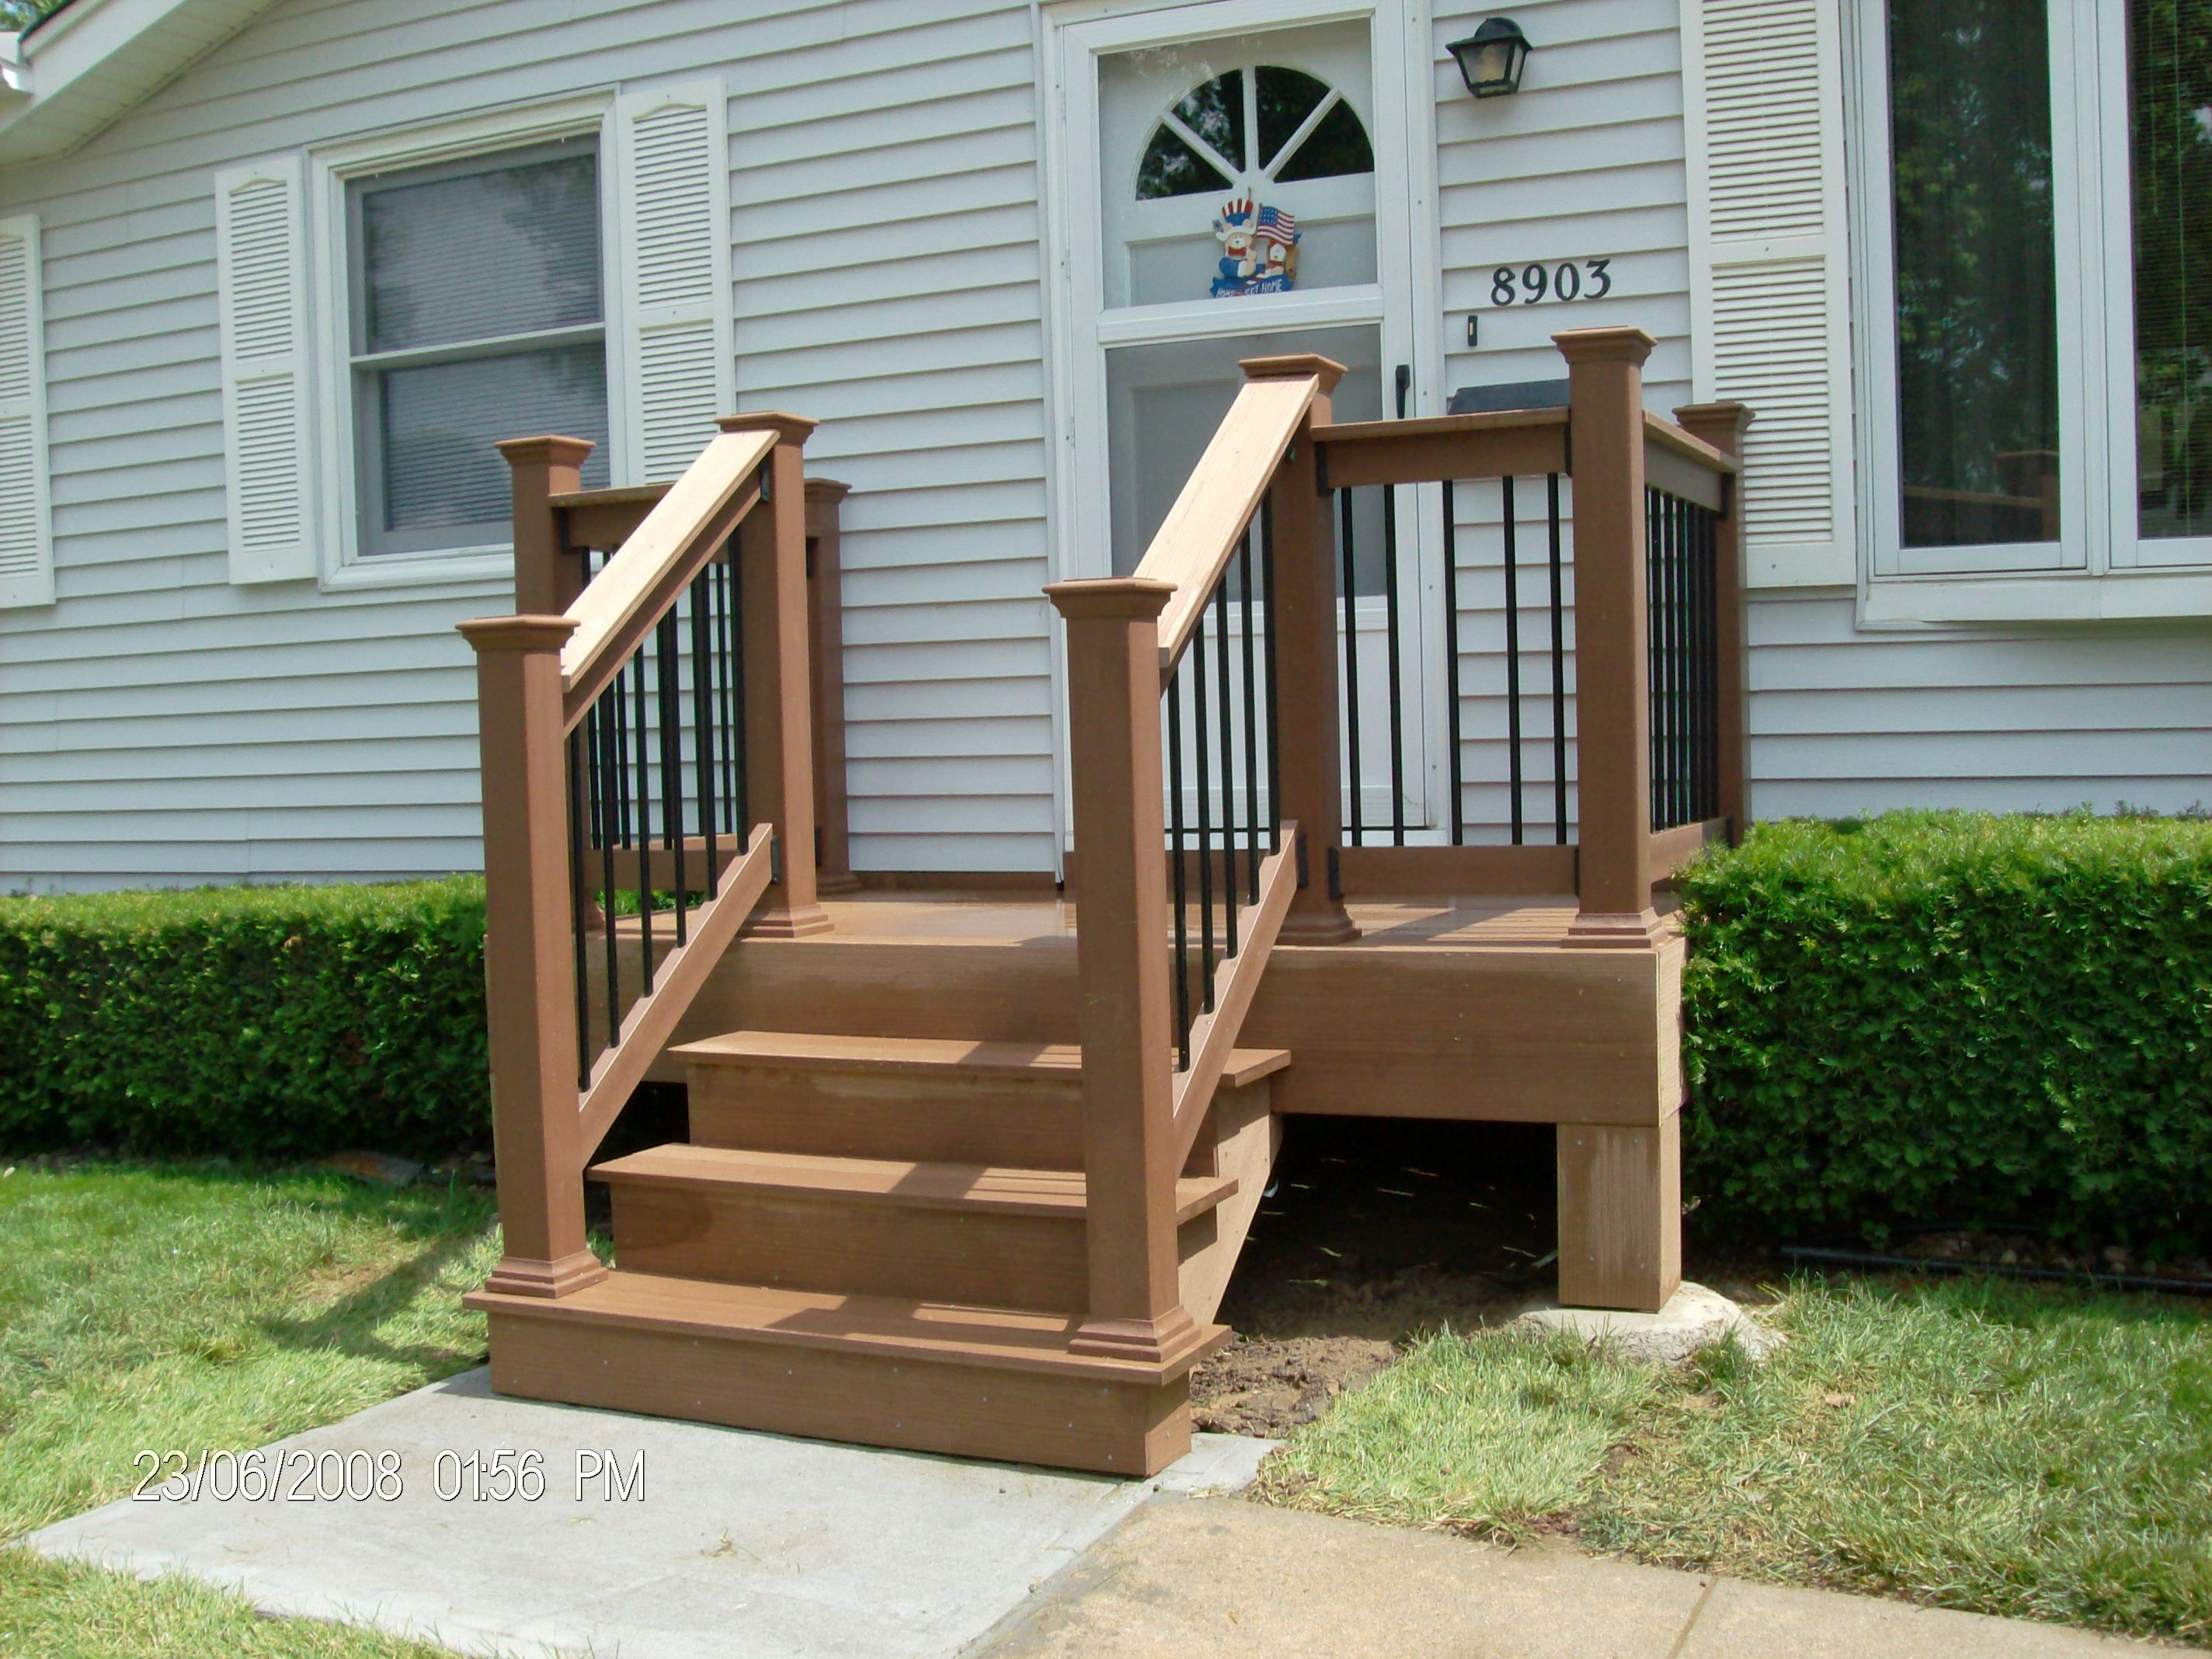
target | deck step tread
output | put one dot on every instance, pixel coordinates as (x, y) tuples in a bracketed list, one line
[(817, 1051), (1010, 1337), (1054, 1193)]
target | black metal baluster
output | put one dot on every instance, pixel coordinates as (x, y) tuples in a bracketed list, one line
[(1513, 789), (611, 771), (702, 719), (577, 807), (1451, 665), (1175, 869), (740, 786), (1205, 771), (1651, 676), (671, 758), (1228, 764), (1351, 671), (644, 842), (1274, 749), (1397, 687), (1559, 668), (1251, 726)]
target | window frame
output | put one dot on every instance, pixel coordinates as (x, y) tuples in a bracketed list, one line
[(2100, 565), (349, 490)]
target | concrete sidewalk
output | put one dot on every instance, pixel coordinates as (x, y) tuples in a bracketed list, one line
[(1225, 1577), (731, 1543)]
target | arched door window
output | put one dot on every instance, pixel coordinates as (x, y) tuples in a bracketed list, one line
[(1236, 180)]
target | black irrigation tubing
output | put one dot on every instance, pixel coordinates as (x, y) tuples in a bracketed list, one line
[(1843, 1258)]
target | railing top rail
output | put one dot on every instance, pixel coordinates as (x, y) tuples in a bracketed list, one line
[(1204, 528), (1658, 429), (1493, 444), (697, 513), (615, 495), (1345, 433)]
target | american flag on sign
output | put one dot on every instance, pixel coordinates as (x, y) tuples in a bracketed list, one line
[(1282, 226)]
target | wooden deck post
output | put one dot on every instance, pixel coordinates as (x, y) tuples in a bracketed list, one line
[(1722, 425), (1620, 1214), (529, 972), (1302, 610), (779, 712), (1120, 821), (1612, 713), (833, 867), (547, 575)]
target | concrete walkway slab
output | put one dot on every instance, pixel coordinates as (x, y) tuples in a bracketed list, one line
[(1230, 1579), (732, 1542)]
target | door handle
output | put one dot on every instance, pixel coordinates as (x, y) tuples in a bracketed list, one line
[(1405, 385)]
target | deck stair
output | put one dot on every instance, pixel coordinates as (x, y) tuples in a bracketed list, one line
[(883, 1239)]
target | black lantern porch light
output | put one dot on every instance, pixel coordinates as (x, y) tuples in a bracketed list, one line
[(1491, 59)]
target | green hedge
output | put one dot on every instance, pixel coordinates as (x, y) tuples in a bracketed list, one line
[(262, 1022), (1947, 1017)]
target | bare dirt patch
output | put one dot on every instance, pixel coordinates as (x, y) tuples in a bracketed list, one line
[(1374, 1232)]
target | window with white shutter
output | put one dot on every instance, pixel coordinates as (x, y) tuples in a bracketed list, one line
[(261, 284), (677, 368), (1769, 285), (26, 553)]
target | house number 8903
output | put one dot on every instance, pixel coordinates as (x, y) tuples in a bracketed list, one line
[(1577, 279)]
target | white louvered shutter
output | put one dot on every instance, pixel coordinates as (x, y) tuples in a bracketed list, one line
[(260, 243), (1770, 295), (27, 548), (678, 366)]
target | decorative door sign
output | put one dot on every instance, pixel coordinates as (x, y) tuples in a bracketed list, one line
[(1258, 249)]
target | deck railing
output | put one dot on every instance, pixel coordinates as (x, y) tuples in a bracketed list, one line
[(647, 758), (1641, 557)]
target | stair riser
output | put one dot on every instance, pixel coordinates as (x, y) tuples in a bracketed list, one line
[(944, 1407), (861, 1247), (980, 990), (906, 1116)]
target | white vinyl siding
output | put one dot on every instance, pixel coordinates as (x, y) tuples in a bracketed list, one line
[(1769, 271), (884, 154), (26, 553), (261, 283)]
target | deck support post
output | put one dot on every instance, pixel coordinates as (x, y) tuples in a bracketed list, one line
[(1620, 1214), (779, 712), (1604, 376), (1722, 425), (825, 609), (1302, 610), (547, 575), (530, 975), (1129, 1166)]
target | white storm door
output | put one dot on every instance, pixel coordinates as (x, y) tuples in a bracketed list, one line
[(1233, 183)]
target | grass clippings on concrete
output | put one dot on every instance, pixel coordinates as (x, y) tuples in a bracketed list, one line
[(2006, 1450), (200, 1309)]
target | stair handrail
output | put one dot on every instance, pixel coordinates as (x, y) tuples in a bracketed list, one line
[(548, 724)]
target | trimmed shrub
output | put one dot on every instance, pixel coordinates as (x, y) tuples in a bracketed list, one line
[(1952, 1016), (259, 1022)]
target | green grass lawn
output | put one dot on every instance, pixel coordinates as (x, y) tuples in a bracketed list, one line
[(203, 1308), (2022, 1451)]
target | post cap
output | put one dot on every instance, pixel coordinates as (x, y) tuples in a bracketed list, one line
[(794, 429), (827, 489), (546, 449), (1604, 345), (522, 634), (1134, 596), (1720, 424), (1294, 365)]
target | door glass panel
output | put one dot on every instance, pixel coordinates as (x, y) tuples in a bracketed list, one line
[(1977, 286), (1238, 167), (2170, 85), (1164, 402)]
